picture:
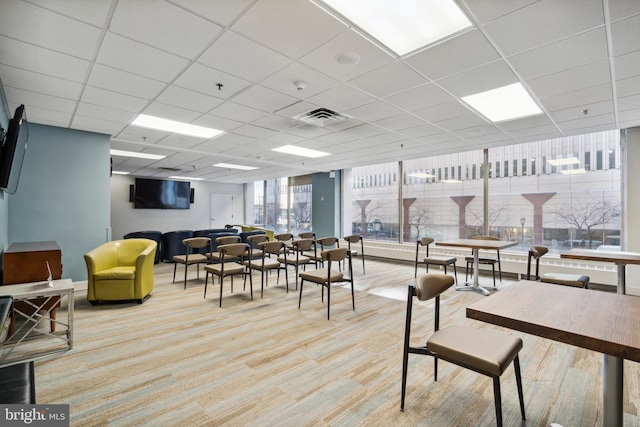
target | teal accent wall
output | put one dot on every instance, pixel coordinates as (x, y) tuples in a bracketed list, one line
[(63, 194), (325, 200)]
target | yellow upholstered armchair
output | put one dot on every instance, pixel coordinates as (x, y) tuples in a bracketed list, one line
[(120, 270)]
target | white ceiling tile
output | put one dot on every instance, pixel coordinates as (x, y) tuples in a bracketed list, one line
[(94, 12), (388, 79), (35, 25), (526, 122), (420, 97), (420, 131), (562, 55), (40, 100), (628, 65), (105, 113), (292, 27), (623, 8), (201, 78), (93, 124), (364, 131), (216, 122), (373, 111), (309, 131), (472, 50), (188, 99), (285, 81), (253, 131), (276, 122), (595, 123), (222, 12), (40, 60), (97, 96), (488, 10), (402, 121), (256, 62), (341, 98), (164, 26), (324, 58), (181, 141), (126, 83), (36, 82), (543, 22), (467, 121), (138, 135), (264, 99), (625, 35), (576, 78), (137, 58), (486, 77), (626, 87), (577, 113), (46, 116), (231, 110), (578, 98), (441, 112)]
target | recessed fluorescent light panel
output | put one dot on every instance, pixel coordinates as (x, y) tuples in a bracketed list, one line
[(504, 103), (119, 173), (158, 123), (403, 25), (298, 151), (232, 166), (149, 156), (186, 178), (563, 162)]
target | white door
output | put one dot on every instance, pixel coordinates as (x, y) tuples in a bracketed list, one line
[(221, 210)]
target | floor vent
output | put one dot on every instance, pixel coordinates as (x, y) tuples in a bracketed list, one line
[(321, 117)]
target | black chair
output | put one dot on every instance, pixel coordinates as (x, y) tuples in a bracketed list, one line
[(151, 235), (18, 384), (355, 238), (171, 243), (485, 351)]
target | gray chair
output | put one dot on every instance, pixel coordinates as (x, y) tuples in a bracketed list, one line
[(355, 238), (441, 261), (192, 256), (575, 280), (485, 351), (328, 276)]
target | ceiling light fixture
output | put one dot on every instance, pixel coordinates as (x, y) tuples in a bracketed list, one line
[(136, 154), (565, 161), (186, 178), (232, 166), (158, 123), (120, 173), (404, 25), (504, 103), (298, 151)]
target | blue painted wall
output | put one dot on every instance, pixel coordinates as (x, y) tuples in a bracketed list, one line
[(63, 194), (325, 200)]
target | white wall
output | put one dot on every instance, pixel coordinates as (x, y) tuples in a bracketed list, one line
[(125, 219)]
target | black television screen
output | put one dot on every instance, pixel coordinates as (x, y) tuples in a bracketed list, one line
[(161, 194), (13, 151)]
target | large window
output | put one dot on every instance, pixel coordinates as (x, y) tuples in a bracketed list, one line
[(283, 204)]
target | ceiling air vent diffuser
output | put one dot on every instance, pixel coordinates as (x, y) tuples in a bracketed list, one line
[(321, 117)]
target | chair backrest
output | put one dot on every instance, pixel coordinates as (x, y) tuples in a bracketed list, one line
[(307, 235), (276, 247), (227, 240), (196, 242), (284, 237), (328, 241), (425, 241), (304, 244), (354, 238), (335, 254), (253, 240), (233, 250), (429, 285), (535, 252)]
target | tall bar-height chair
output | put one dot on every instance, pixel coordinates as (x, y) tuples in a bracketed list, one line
[(485, 351), (485, 259), (192, 256), (575, 280), (328, 275), (438, 260), (266, 263), (355, 238), (230, 264)]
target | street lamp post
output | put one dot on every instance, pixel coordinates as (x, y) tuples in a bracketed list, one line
[(522, 221), (377, 226)]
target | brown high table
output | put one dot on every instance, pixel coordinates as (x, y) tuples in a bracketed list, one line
[(600, 321), (476, 245)]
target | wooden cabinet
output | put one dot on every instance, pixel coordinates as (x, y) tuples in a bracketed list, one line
[(26, 262)]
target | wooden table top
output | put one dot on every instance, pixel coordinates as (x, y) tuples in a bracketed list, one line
[(477, 243), (617, 257), (600, 321)]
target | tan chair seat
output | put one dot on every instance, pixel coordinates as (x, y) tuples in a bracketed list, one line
[(440, 260), (229, 268), (565, 279), (320, 276), (292, 260), (121, 273), (193, 259), (269, 264), (485, 350)]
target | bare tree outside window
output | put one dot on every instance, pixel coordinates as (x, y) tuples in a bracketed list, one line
[(419, 216), (585, 217)]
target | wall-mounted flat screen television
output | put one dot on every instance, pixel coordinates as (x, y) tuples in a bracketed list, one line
[(12, 151), (161, 194)]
